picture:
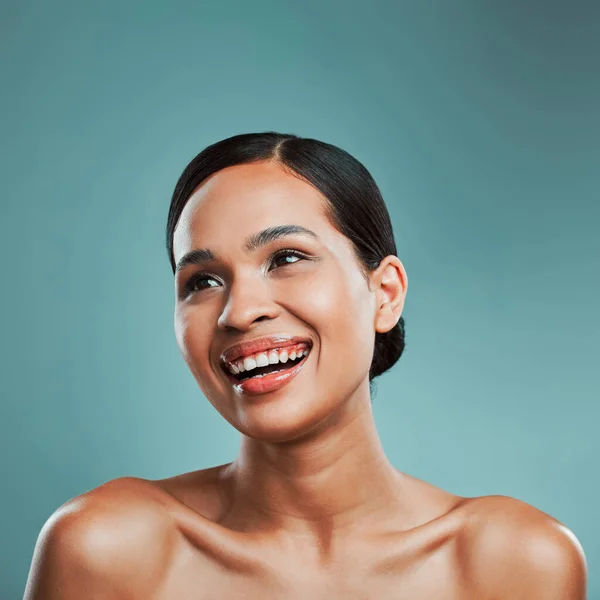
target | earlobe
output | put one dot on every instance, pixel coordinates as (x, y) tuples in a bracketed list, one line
[(392, 284)]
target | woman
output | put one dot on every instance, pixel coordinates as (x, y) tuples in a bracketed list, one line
[(288, 303)]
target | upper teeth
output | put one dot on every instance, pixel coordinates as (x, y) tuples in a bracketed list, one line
[(262, 359)]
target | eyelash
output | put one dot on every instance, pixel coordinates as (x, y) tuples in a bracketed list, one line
[(189, 286)]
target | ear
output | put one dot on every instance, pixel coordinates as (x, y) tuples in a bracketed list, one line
[(390, 283)]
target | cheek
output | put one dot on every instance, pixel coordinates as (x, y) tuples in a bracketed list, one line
[(341, 309), (193, 345)]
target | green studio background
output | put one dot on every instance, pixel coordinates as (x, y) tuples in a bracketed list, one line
[(479, 120)]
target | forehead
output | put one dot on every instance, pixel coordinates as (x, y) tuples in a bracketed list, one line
[(241, 200)]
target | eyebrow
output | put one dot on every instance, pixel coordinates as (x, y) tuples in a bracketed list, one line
[(252, 243)]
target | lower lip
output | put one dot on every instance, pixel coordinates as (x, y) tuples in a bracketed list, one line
[(268, 383)]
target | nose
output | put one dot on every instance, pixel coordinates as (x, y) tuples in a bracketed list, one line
[(249, 300)]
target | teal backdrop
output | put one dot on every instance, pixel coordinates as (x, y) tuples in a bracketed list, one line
[(480, 121)]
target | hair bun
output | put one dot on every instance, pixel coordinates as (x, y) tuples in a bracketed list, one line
[(388, 349)]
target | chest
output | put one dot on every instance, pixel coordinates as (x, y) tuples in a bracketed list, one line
[(434, 575)]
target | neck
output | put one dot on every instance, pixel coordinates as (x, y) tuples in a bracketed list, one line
[(326, 482)]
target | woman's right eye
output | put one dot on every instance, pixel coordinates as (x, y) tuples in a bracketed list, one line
[(190, 286)]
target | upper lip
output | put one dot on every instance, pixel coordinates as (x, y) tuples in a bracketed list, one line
[(260, 345)]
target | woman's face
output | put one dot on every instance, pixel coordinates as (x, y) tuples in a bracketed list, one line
[(245, 294)]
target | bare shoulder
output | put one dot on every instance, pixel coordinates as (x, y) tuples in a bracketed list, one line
[(101, 540), (202, 491), (512, 550)]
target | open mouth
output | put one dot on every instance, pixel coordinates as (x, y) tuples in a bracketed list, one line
[(260, 372)]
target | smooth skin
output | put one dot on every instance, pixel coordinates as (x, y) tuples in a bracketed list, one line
[(311, 508)]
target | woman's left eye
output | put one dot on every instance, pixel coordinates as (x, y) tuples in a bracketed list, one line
[(285, 254)]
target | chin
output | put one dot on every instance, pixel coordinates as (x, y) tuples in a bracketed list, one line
[(283, 421)]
